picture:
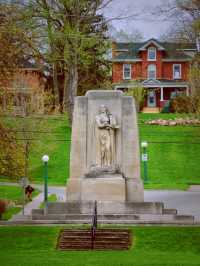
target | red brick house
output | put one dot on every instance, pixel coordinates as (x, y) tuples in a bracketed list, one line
[(161, 68), (24, 90)]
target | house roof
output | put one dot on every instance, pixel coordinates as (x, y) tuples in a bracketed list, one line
[(174, 51), (151, 83)]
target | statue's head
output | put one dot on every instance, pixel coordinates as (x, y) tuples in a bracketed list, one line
[(103, 109)]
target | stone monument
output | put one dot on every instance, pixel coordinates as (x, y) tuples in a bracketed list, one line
[(105, 160), (105, 167)]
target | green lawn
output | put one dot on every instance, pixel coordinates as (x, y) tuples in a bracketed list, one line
[(51, 135), (174, 152), (163, 246), (12, 194), (51, 198)]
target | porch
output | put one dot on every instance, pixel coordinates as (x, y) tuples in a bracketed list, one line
[(159, 93), (157, 99)]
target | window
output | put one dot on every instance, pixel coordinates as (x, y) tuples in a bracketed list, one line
[(177, 71), (152, 53), (127, 71), (152, 72), (176, 93)]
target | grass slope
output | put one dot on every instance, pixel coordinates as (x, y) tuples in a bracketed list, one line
[(49, 135), (174, 152), (161, 246)]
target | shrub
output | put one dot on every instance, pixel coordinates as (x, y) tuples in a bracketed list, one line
[(3, 207), (138, 93), (12, 157), (182, 104)]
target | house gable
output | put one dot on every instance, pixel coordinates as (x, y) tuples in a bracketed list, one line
[(153, 42), (133, 52)]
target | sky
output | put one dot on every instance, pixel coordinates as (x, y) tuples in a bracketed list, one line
[(150, 25)]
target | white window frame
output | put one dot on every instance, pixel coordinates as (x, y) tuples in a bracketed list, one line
[(129, 77), (180, 66), (148, 76), (149, 49)]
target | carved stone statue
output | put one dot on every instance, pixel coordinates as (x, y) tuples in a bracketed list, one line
[(105, 138), (105, 158)]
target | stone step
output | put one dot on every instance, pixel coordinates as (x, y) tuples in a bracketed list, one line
[(103, 246), (36, 212), (116, 222), (151, 110), (99, 238), (115, 218), (81, 239), (105, 207), (170, 211), (20, 217)]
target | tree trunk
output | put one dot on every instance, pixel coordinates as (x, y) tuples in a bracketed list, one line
[(55, 86), (70, 90)]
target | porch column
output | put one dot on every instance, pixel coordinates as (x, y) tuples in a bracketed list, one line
[(187, 91), (161, 94)]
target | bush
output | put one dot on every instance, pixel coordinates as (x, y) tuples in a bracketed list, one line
[(138, 93), (12, 157), (3, 207), (182, 104), (196, 104)]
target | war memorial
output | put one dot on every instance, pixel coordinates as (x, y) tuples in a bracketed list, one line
[(105, 167)]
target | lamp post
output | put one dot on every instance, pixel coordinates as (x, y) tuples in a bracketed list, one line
[(144, 146), (45, 160), (24, 183)]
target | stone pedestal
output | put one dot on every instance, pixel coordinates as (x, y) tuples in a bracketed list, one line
[(107, 188), (125, 184)]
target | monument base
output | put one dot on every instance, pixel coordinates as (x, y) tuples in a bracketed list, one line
[(109, 212), (105, 188)]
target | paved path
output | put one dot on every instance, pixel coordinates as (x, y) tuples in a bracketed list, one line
[(186, 202), (35, 204)]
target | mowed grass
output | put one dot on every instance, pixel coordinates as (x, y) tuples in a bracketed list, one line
[(57, 145), (13, 195), (163, 246), (174, 152), (49, 135)]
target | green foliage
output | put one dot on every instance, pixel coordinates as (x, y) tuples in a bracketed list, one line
[(156, 246), (11, 155), (10, 212), (138, 93), (70, 38)]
